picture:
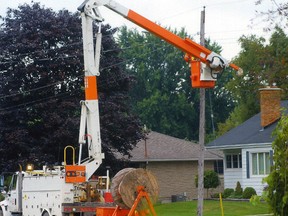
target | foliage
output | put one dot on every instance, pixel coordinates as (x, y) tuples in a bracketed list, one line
[(42, 83), (1, 197), (277, 190), (215, 195), (7, 181), (211, 208), (4, 188), (159, 94), (263, 65), (228, 192), (211, 180), (162, 95), (248, 193), (255, 200), (238, 190)]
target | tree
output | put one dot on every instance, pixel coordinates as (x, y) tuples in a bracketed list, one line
[(277, 190), (245, 88), (211, 180), (41, 86), (163, 96), (275, 16), (263, 65)]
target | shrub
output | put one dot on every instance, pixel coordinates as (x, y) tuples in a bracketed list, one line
[(248, 192), (211, 180), (227, 192), (238, 190), (1, 197), (215, 195), (235, 196)]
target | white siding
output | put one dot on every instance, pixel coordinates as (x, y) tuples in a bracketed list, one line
[(252, 180), (232, 175)]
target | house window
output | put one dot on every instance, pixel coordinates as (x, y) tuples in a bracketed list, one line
[(233, 161), (260, 163), (218, 166)]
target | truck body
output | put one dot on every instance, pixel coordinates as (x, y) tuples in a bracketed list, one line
[(46, 192), (71, 189)]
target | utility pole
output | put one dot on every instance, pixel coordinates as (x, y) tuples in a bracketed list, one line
[(201, 130)]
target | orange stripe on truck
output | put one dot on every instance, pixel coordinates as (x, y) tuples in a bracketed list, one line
[(91, 92)]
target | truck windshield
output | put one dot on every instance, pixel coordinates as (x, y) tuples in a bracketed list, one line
[(13, 182)]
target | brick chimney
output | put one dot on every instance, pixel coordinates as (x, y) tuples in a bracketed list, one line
[(270, 105)]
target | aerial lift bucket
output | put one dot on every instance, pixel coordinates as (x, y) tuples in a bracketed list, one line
[(196, 76)]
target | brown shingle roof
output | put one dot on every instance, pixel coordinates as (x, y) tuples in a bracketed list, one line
[(161, 147)]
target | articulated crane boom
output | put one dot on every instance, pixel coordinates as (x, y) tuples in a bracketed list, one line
[(68, 189), (203, 74), (205, 67)]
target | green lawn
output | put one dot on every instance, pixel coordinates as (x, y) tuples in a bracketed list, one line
[(211, 208)]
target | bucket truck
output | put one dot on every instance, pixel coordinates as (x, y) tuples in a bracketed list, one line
[(65, 190)]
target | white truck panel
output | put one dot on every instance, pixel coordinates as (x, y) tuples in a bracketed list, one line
[(45, 193)]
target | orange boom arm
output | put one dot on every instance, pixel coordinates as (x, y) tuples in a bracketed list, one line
[(203, 74)]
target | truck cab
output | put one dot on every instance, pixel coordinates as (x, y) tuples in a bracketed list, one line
[(12, 204)]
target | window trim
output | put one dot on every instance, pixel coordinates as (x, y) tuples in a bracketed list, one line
[(218, 168), (239, 161), (264, 163)]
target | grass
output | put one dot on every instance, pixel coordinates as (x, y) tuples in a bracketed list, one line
[(211, 208)]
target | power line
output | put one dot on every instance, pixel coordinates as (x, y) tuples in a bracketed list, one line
[(63, 57), (113, 65), (57, 83), (279, 7), (34, 102), (197, 8), (104, 51)]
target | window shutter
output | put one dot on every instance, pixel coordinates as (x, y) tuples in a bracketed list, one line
[(247, 165)]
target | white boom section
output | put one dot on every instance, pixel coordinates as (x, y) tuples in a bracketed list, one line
[(90, 120)]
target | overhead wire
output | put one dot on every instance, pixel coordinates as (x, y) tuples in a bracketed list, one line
[(49, 59), (57, 83), (60, 82), (34, 102), (198, 8), (279, 7), (63, 57)]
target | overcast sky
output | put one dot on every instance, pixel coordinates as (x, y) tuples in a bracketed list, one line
[(226, 20)]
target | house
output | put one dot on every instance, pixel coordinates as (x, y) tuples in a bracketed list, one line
[(247, 148), (174, 162)]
